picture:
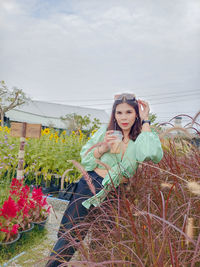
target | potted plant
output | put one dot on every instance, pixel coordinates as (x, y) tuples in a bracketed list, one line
[(8, 228), (40, 209), (20, 194)]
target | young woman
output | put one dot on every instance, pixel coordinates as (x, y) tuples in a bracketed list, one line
[(139, 143)]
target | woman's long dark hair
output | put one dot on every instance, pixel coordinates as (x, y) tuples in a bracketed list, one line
[(136, 128)]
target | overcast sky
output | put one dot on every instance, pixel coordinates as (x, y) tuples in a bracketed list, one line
[(82, 52)]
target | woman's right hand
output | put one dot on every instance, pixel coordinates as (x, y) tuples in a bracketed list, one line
[(108, 141)]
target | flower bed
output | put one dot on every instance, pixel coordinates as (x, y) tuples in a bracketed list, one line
[(21, 209), (41, 156)]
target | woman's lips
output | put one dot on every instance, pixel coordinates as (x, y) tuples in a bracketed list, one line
[(124, 124)]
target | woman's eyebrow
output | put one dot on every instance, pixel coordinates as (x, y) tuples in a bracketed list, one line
[(119, 111)]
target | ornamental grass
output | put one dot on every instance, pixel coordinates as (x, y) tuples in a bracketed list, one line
[(154, 220)]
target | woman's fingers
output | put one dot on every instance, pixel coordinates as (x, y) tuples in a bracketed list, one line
[(143, 109), (109, 132), (109, 138), (144, 104)]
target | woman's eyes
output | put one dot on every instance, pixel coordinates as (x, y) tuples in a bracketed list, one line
[(129, 111)]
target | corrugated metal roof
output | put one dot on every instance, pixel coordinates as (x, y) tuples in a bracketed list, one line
[(49, 113)]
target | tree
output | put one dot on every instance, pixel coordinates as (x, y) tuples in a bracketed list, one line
[(76, 122), (152, 117), (9, 99)]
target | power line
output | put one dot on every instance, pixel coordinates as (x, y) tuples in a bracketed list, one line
[(108, 99), (158, 103)]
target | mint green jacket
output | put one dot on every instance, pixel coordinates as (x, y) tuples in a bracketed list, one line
[(146, 147)]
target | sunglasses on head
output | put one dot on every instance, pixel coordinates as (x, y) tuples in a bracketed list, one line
[(125, 96)]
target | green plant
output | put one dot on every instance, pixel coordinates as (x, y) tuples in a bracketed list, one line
[(75, 122), (45, 158)]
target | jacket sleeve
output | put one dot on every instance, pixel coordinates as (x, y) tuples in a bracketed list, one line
[(148, 147), (89, 161), (113, 178)]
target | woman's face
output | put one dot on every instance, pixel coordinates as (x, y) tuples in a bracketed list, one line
[(125, 116)]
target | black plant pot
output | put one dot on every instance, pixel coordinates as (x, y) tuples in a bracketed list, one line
[(41, 225), (26, 233), (11, 244), (51, 189)]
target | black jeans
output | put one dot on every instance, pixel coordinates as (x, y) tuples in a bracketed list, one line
[(74, 214)]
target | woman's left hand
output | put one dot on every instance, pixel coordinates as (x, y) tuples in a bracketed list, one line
[(143, 109)]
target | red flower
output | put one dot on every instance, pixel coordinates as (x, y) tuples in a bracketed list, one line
[(14, 230), (15, 186), (37, 194), (21, 202), (16, 183), (25, 190), (26, 210), (9, 209), (41, 208), (4, 230), (31, 204), (44, 202)]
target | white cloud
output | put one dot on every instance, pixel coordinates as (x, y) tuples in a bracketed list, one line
[(56, 49), (9, 6)]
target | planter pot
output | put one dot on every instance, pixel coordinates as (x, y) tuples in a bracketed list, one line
[(41, 225), (25, 233), (11, 244), (51, 189)]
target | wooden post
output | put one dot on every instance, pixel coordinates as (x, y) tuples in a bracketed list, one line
[(20, 170), (24, 130)]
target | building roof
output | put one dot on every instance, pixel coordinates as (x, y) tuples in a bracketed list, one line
[(47, 114)]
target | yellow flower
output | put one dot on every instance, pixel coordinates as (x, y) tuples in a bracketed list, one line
[(46, 131), (0, 128), (94, 131), (73, 133), (81, 136), (63, 140), (51, 136), (64, 132), (56, 135)]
